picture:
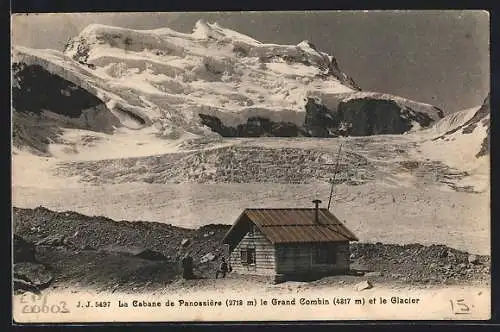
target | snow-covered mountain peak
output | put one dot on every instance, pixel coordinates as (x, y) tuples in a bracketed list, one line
[(213, 80), (206, 30), (207, 40), (307, 45)]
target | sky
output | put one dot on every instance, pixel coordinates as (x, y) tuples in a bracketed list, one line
[(436, 57)]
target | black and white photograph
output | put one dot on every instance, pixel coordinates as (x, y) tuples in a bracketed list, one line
[(250, 166)]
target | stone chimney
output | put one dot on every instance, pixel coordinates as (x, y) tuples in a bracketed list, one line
[(316, 202)]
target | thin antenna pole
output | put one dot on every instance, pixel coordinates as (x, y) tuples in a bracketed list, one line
[(334, 176)]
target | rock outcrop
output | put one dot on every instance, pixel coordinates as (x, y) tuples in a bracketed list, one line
[(364, 116), (38, 91), (43, 103), (254, 127)]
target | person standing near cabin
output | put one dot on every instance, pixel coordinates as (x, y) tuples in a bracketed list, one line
[(223, 268), (187, 267)]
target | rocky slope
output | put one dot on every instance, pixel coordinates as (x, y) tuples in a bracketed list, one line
[(212, 80), (64, 248)]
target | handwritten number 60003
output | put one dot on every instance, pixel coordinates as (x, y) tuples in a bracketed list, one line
[(43, 307)]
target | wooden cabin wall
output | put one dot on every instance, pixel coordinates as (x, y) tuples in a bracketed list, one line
[(264, 252), (294, 259)]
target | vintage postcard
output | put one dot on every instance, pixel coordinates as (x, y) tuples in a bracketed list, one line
[(251, 166)]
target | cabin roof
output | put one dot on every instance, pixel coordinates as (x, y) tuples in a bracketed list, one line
[(297, 225)]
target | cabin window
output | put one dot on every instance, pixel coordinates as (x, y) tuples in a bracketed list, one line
[(247, 256), (324, 255)]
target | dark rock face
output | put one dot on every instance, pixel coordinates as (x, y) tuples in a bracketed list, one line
[(334, 70), (217, 126), (355, 117), (481, 114), (43, 103), (254, 127), (374, 117), (38, 91), (319, 119), (361, 117)]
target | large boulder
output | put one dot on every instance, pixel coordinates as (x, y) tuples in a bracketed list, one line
[(207, 258), (34, 274), (473, 259), (21, 285), (363, 285)]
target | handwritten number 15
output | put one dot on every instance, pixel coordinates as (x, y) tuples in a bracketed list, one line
[(459, 307)]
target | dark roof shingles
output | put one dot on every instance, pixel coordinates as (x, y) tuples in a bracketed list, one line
[(299, 225)]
